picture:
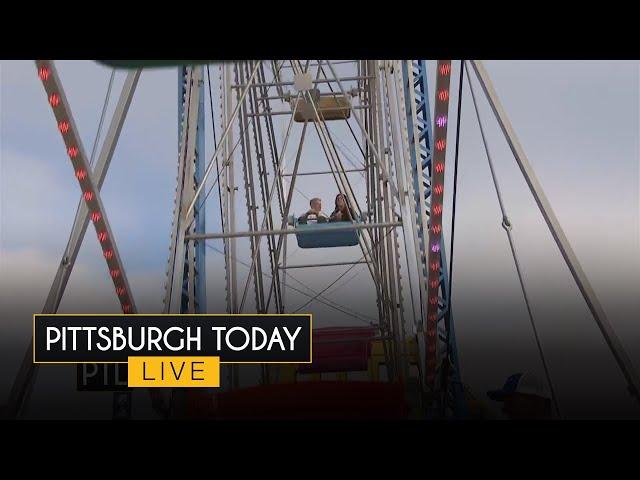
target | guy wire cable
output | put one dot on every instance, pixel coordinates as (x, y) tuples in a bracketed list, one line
[(506, 224)]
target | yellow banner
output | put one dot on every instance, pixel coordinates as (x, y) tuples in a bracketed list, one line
[(174, 371)]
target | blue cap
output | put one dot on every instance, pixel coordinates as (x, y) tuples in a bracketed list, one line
[(523, 383), (510, 387)]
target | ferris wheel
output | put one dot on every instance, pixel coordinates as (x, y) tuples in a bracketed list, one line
[(383, 111), (381, 140)]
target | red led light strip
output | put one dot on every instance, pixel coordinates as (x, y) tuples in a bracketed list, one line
[(438, 158), (66, 126)]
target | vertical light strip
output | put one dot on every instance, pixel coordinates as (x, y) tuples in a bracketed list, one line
[(441, 121)]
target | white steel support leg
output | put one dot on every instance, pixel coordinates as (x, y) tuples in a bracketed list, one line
[(78, 158), (400, 160), (402, 163), (558, 234), (99, 174)]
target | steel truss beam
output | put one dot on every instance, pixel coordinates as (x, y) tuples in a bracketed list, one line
[(420, 135), (433, 330)]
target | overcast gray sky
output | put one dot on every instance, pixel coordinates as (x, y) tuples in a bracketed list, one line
[(577, 120)]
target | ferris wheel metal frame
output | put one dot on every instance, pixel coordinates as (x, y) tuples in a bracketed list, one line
[(404, 152)]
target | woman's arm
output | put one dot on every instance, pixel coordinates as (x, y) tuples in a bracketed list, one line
[(351, 214)]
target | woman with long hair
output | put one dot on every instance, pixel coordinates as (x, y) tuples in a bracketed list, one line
[(343, 212)]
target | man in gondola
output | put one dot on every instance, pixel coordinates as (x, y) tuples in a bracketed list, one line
[(315, 213)]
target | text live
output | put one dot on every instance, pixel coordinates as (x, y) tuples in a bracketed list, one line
[(174, 372)]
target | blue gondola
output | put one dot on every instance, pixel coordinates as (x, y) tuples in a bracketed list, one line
[(321, 235)]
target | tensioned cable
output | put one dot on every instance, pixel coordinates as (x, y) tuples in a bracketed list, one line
[(346, 154), (506, 224), (369, 320), (359, 271), (328, 286), (322, 299), (215, 145), (344, 273), (301, 193), (346, 281), (453, 216), (455, 178), (327, 302), (102, 115)]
